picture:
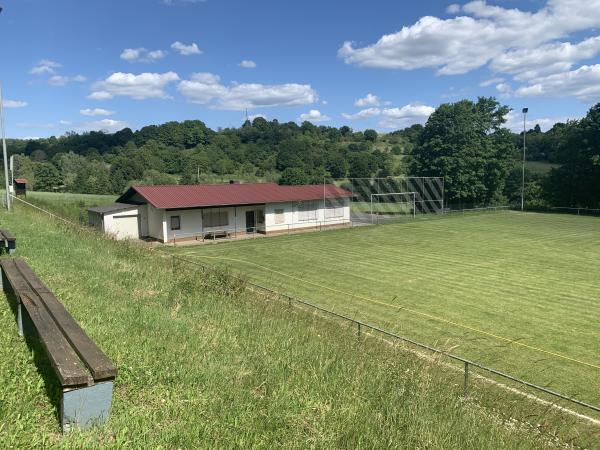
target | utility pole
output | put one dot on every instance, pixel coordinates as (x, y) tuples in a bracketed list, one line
[(4, 147), (525, 111)]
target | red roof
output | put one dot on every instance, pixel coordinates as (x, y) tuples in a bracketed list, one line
[(205, 195), (21, 180)]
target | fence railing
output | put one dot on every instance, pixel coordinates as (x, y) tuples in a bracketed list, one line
[(364, 326), (360, 326)]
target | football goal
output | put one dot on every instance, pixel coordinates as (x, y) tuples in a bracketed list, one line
[(393, 204)]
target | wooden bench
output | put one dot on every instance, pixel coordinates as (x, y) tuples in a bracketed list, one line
[(85, 373), (8, 241)]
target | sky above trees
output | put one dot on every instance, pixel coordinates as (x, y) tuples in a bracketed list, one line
[(92, 65)]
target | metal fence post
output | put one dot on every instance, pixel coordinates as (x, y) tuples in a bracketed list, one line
[(466, 386)]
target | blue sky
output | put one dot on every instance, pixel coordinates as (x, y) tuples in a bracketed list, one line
[(83, 65)]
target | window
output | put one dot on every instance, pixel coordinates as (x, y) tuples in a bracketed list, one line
[(175, 222), (334, 208), (279, 216), (215, 218), (307, 211), (260, 217)]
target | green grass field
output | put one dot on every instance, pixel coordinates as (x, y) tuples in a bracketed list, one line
[(67, 205), (204, 363), (517, 292)]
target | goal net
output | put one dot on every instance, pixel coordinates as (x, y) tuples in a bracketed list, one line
[(393, 205), (377, 200)]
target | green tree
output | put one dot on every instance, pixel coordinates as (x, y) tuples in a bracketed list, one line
[(370, 135), (294, 176), (465, 143), (47, 177), (577, 181), (361, 165)]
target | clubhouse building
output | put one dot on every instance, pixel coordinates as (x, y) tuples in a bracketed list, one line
[(173, 213)]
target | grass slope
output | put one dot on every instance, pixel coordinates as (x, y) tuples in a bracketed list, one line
[(204, 363), (67, 205), (517, 292)]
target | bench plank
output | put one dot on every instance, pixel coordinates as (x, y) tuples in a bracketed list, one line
[(98, 363), (62, 357), (8, 236), (10, 270)]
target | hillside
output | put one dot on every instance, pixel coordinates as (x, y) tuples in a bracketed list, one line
[(203, 362)]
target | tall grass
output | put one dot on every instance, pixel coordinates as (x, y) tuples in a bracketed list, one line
[(205, 363)]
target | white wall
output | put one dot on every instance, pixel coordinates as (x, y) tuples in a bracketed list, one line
[(125, 228), (155, 222), (191, 221), (292, 216)]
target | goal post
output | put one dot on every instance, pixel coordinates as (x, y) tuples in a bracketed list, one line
[(392, 194)]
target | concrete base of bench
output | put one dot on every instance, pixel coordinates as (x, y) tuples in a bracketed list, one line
[(80, 407), (85, 407)]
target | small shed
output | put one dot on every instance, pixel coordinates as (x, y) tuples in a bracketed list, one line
[(20, 186), (121, 220)]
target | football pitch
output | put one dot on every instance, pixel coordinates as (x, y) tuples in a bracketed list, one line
[(516, 292)]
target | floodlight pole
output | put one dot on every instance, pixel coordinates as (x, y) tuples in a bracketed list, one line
[(525, 110), (4, 149)]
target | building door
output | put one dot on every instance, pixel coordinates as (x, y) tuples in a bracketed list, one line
[(127, 227), (250, 222)]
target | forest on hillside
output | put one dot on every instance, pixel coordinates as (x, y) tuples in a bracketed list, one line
[(465, 142)]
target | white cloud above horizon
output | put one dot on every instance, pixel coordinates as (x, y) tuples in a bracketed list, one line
[(313, 116), (247, 64), (527, 45), (45, 67), (140, 54), (96, 112), (14, 104), (139, 87), (186, 49), (206, 88), (368, 100), (63, 80)]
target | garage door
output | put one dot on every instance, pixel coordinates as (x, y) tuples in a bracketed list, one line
[(127, 227)]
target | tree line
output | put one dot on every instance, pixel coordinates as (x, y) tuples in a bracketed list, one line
[(465, 142)]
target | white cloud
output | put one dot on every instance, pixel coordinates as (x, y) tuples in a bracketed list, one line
[(251, 117), (131, 54), (314, 115), (454, 8), (467, 42), (156, 54), (186, 50), (100, 95), (247, 64), (45, 66), (504, 89), (491, 81), (583, 83), (14, 103), (139, 87), (514, 121), (362, 114), (367, 100), (96, 112), (529, 63), (405, 116), (142, 55), (206, 88), (107, 125), (63, 80)]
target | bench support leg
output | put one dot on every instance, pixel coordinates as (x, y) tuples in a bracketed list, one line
[(85, 407), (24, 323)]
